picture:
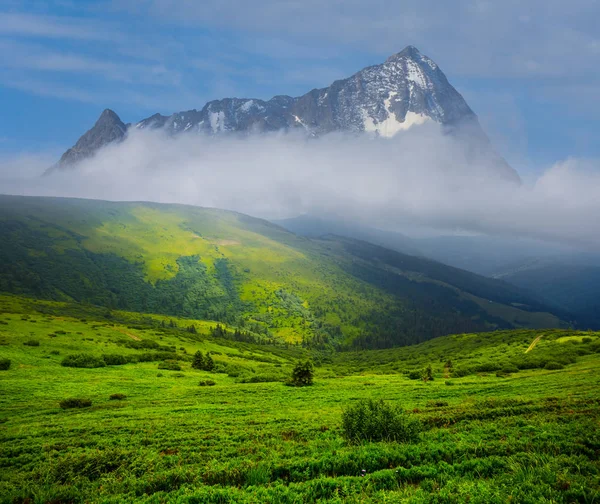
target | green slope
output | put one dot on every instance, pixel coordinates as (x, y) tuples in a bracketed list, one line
[(498, 424), (219, 265)]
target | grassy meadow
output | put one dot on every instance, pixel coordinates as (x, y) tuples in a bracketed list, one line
[(503, 420)]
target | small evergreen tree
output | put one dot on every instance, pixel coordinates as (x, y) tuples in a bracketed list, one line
[(427, 374), (198, 362), (303, 373), (209, 363)]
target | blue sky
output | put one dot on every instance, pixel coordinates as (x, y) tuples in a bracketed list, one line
[(529, 69)]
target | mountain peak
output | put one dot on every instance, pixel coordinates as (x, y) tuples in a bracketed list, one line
[(409, 51), (408, 90), (108, 129), (110, 115)]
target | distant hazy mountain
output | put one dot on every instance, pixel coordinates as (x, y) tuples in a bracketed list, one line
[(569, 281), (408, 89), (315, 227), (486, 255)]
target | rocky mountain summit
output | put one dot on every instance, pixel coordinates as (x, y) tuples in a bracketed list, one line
[(407, 90), (108, 129)]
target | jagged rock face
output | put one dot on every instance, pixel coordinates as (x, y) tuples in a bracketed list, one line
[(227, 115), (407, 90), (108, 129)]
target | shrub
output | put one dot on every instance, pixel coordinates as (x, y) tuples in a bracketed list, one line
[(206, 383), (369, 420), (54, 352), (115, 359), (436, 404), (83, 361), (415, 374), (486, 367), (530, 363), (261, 378), (552, 365), (427, 374), (169, 365), (31, 343), (117, 397), (509, 368), (4, 364), (586, 339), (303, 374), (460, 372), (75, 402)]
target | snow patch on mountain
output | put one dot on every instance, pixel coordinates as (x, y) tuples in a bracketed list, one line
[(217, 121)]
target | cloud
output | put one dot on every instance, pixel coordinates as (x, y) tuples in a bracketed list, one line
[(548, 38), (420, 178), (36, 57), (44, 26)]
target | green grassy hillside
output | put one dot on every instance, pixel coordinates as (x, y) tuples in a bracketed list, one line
[(502, 420), (218, 265)]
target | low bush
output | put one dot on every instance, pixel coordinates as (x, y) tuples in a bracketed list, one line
[(117, 397), (302, 374), (370, 420), (31, 343), (115, 359), (415, 374), (553, 365), (586, 339), (83, 361), (206, 383), (4, 364), (169, 365), (436, 404), (54, 352), (427, 374), (460, 372), (75, 402), (260, 378), (486, 367), (530, 363)]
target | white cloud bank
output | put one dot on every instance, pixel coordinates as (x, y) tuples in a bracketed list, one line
[(417, 178)]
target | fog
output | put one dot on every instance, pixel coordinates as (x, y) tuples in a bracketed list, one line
[(420, 178)]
